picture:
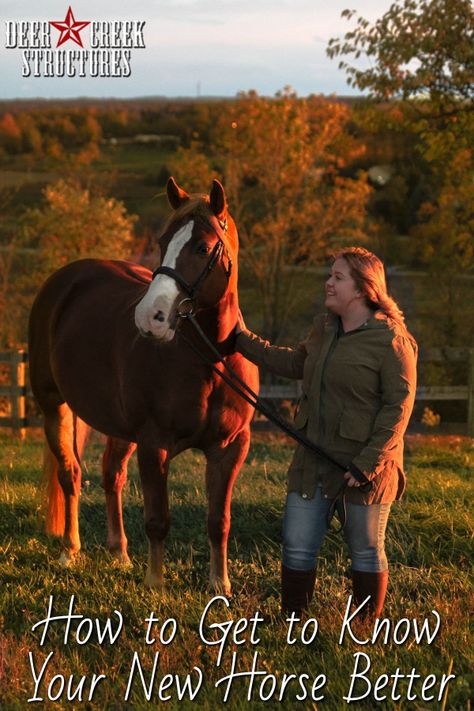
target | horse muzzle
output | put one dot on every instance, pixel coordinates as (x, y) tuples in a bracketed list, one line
[(162, 330)]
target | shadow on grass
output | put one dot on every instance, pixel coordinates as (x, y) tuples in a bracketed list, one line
[(251, 523), (255, 531)]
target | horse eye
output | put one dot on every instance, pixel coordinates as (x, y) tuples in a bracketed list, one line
[(202, 248)]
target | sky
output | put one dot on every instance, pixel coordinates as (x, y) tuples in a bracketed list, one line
[(195, 47)]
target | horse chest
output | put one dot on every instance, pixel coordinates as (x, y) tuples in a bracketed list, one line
[(198, 409), (183, 404)]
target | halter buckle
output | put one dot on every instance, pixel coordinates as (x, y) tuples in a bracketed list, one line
[(188, 309)]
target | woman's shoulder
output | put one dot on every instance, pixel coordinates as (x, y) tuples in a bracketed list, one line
[(393, 335), (401, 340)]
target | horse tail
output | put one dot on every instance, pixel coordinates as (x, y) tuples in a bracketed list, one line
[(54, 507), (81, 435)]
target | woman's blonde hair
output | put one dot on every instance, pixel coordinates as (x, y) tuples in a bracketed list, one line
[(368, 272)]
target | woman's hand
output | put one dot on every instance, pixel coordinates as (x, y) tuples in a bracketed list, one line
[(350, 481)]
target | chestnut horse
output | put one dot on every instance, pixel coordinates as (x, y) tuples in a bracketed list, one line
[(108, 348)]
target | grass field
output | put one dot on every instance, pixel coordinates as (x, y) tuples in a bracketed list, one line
[(428, 546)]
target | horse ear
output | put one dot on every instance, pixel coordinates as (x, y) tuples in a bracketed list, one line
[(176, 195), (218, 200)]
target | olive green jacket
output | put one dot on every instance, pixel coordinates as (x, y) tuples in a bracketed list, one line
[(358, 395)]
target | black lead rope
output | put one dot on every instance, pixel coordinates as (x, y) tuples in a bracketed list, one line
[(245, 392), (234, 381)]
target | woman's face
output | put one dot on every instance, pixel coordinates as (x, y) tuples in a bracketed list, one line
[(341, 290)]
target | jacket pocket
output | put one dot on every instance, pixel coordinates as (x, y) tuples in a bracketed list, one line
[(356, 425)]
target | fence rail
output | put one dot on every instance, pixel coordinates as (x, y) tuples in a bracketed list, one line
[(16, 392)]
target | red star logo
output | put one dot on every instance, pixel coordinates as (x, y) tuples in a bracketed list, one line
[(69, 29)]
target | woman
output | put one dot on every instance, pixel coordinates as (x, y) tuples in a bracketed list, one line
[(358, 367)]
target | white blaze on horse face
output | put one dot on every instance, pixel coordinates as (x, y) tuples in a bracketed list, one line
[(153, 313)]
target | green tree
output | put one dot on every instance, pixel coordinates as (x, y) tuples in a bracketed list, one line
[(74, 222), (421, 54), (418, 48), (443, 241), (422, 57)]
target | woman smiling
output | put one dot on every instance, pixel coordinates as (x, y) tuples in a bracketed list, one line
[(358, 367)]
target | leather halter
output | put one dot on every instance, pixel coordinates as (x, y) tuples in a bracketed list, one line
[(215, 256)]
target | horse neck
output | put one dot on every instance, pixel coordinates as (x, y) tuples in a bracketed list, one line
[(218, 322)]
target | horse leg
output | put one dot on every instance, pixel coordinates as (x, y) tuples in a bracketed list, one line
[(114, 475), (153, 465), (59, 427), (223, 465)]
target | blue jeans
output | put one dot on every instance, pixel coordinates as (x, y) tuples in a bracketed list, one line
[(305, 525)]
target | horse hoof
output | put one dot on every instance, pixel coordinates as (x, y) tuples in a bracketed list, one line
[(124, 561), (154, 582), (219, 587), (66, 559), (120, 560)]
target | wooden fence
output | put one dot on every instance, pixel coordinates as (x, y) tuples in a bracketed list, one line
[(16, 392)]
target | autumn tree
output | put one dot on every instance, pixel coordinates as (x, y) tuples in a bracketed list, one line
[(193, 164), (10, 134), (10, 307), (285, 165)]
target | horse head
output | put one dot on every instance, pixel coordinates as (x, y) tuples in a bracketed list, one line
[(198, 268)]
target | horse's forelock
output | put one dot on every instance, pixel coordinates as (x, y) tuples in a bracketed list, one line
[(198, 207), (195, 207)]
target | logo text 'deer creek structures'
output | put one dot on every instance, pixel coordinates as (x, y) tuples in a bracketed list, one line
[(75, 48)]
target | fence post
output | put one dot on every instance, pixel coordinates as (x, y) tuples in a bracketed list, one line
[(18, 391), (470, 395)]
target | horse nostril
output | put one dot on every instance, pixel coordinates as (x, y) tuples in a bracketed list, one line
[(159, 316)]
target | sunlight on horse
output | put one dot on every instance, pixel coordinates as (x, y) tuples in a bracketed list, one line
[(109, 350)]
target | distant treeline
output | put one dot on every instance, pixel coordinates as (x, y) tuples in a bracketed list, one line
[(39, 126), (44, 128), (48, 129), (303, 176)]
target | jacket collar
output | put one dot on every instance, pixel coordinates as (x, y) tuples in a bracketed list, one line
[(379, 320)]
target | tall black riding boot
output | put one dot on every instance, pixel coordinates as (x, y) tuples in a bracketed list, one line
[(297, 588), (373, 584)]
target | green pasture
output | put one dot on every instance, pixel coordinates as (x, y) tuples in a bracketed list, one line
[(429, 546)]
